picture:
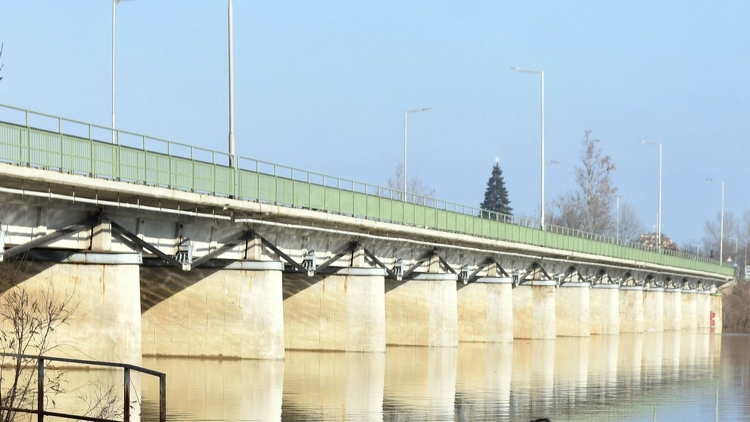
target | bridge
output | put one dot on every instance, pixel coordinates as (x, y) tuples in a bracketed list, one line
[(169, 251)]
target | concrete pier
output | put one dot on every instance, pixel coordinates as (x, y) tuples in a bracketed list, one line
[(631, 309), (653, 309), (214, 312), (672, 309), (99, 297), (604, 300), (688, 310), (422, 311), (703, 310), (534, 310), (344, 311), (485, 310), (716, 311), (572, 310)]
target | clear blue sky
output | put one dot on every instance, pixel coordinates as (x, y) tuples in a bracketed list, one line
[(323, 85)]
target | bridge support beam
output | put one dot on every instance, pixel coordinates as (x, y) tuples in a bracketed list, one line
[(485, 310), (343, 311), (631, 309), (573, 310), (653, 309), (605, 309), (534, 310), (235, 311), (672, 309), (422, 311), (689, 321)]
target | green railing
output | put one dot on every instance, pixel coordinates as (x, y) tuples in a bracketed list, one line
[(53, 143)]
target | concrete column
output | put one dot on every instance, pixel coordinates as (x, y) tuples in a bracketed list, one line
[(605, 309), (572, 310), (653, 309), (703, 310), (485, 310), (422, 311), (717, 309), (534, 310), (233, 312), (344, 311), (688, 310), (631, 309), (672, 309), (98, 293)]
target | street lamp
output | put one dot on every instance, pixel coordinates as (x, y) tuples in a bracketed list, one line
[(541, 73), (230, 36), (658, 217), (406, 138), (721, 235)]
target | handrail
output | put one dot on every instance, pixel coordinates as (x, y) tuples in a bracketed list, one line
[(127, 368), (167, 177)]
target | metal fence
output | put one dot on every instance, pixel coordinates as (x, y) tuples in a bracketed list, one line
[(53, 143), (41, 411)]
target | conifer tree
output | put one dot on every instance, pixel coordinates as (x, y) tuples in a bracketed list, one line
[(496, 195)]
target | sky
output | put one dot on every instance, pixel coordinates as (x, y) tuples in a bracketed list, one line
[(323, 86)]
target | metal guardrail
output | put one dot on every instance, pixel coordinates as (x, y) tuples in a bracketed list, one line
[(49, 142), (41, 412)]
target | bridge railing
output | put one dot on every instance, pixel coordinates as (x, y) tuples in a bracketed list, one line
[(54, 143)]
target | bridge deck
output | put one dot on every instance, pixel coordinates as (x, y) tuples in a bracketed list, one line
[(57, 144)]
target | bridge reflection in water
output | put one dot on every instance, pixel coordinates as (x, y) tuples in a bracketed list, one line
[(652, 376)]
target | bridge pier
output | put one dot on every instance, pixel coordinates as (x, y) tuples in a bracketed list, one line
[(485, 310), (605, 309), (703, 310), (534, 310), (716, 311), (688, 310), (672, 309), (572, 310), (213, 312), (99, 291), (422, 311), (631, 309), (344, 311), (653, 308)]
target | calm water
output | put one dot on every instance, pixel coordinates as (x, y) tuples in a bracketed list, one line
[(640, 377)]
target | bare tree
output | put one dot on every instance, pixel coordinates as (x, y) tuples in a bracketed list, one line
[(1, 56), (590, 207), (630, 225), (733, 236), (417, 191)]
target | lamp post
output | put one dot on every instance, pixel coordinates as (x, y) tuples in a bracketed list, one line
[(230, 36), (658, 217), (114, 8), (721, 233), (541, 73), (406, 139)]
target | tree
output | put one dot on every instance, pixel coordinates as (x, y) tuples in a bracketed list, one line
[(649, 240), (417, 191), (630, 226), (496, 195), (589, 208), (1, 56)]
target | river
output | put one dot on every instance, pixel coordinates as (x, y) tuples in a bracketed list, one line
[(670, 376)]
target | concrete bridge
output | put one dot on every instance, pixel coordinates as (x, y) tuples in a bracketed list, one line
[(170, 252)]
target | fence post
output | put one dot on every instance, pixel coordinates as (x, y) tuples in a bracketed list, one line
[(163, 398), (126, 395), (40, 389)]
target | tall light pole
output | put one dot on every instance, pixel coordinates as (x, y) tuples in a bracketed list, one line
[(114, 8), (658, 217), (721, 235), (230, 36), (406, 139), (541, 73)]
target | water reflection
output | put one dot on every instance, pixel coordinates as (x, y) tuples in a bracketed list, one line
[(666, 376)]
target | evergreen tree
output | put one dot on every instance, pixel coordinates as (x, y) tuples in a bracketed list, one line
[(496, 195)]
